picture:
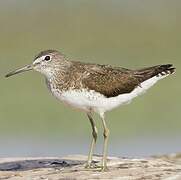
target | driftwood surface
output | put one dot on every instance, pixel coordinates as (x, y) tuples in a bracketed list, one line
[(167, 167)]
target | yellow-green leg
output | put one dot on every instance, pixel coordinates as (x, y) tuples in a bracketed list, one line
[(93, 142), (106, 136)]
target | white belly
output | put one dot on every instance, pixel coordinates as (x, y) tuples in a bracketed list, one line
[(86, 100)]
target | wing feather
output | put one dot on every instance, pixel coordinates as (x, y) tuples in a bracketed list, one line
[(110, 81)]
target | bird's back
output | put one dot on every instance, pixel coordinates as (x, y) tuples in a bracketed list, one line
[(113, 81)]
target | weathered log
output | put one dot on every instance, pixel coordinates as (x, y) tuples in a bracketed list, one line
[(166, 167)]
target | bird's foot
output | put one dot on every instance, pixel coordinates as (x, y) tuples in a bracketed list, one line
[(104, 168), (96, 166), (88, 165), (91, 166)]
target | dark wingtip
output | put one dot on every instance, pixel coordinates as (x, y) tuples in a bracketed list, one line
[(172, 70), (167, 68)]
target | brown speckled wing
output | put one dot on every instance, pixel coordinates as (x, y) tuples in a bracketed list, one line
[(110, 81)]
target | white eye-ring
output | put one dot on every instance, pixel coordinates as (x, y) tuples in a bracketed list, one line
[(47, 58)]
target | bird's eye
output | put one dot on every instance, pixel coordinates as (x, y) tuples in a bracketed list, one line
[(47, 58)]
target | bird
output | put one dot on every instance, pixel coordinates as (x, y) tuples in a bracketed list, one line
[(93, 88)]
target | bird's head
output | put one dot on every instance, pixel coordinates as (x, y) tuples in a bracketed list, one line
[(47, 62)]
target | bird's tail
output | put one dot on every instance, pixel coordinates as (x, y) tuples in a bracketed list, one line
[(160, 70)]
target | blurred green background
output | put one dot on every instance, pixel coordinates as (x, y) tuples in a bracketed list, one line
[(127, 33)]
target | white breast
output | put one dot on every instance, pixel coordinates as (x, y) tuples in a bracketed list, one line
[(89, 99)]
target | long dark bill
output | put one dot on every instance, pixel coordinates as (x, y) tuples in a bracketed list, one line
[(26, 68)]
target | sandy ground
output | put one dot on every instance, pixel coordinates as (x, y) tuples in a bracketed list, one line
[(71, 167)]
